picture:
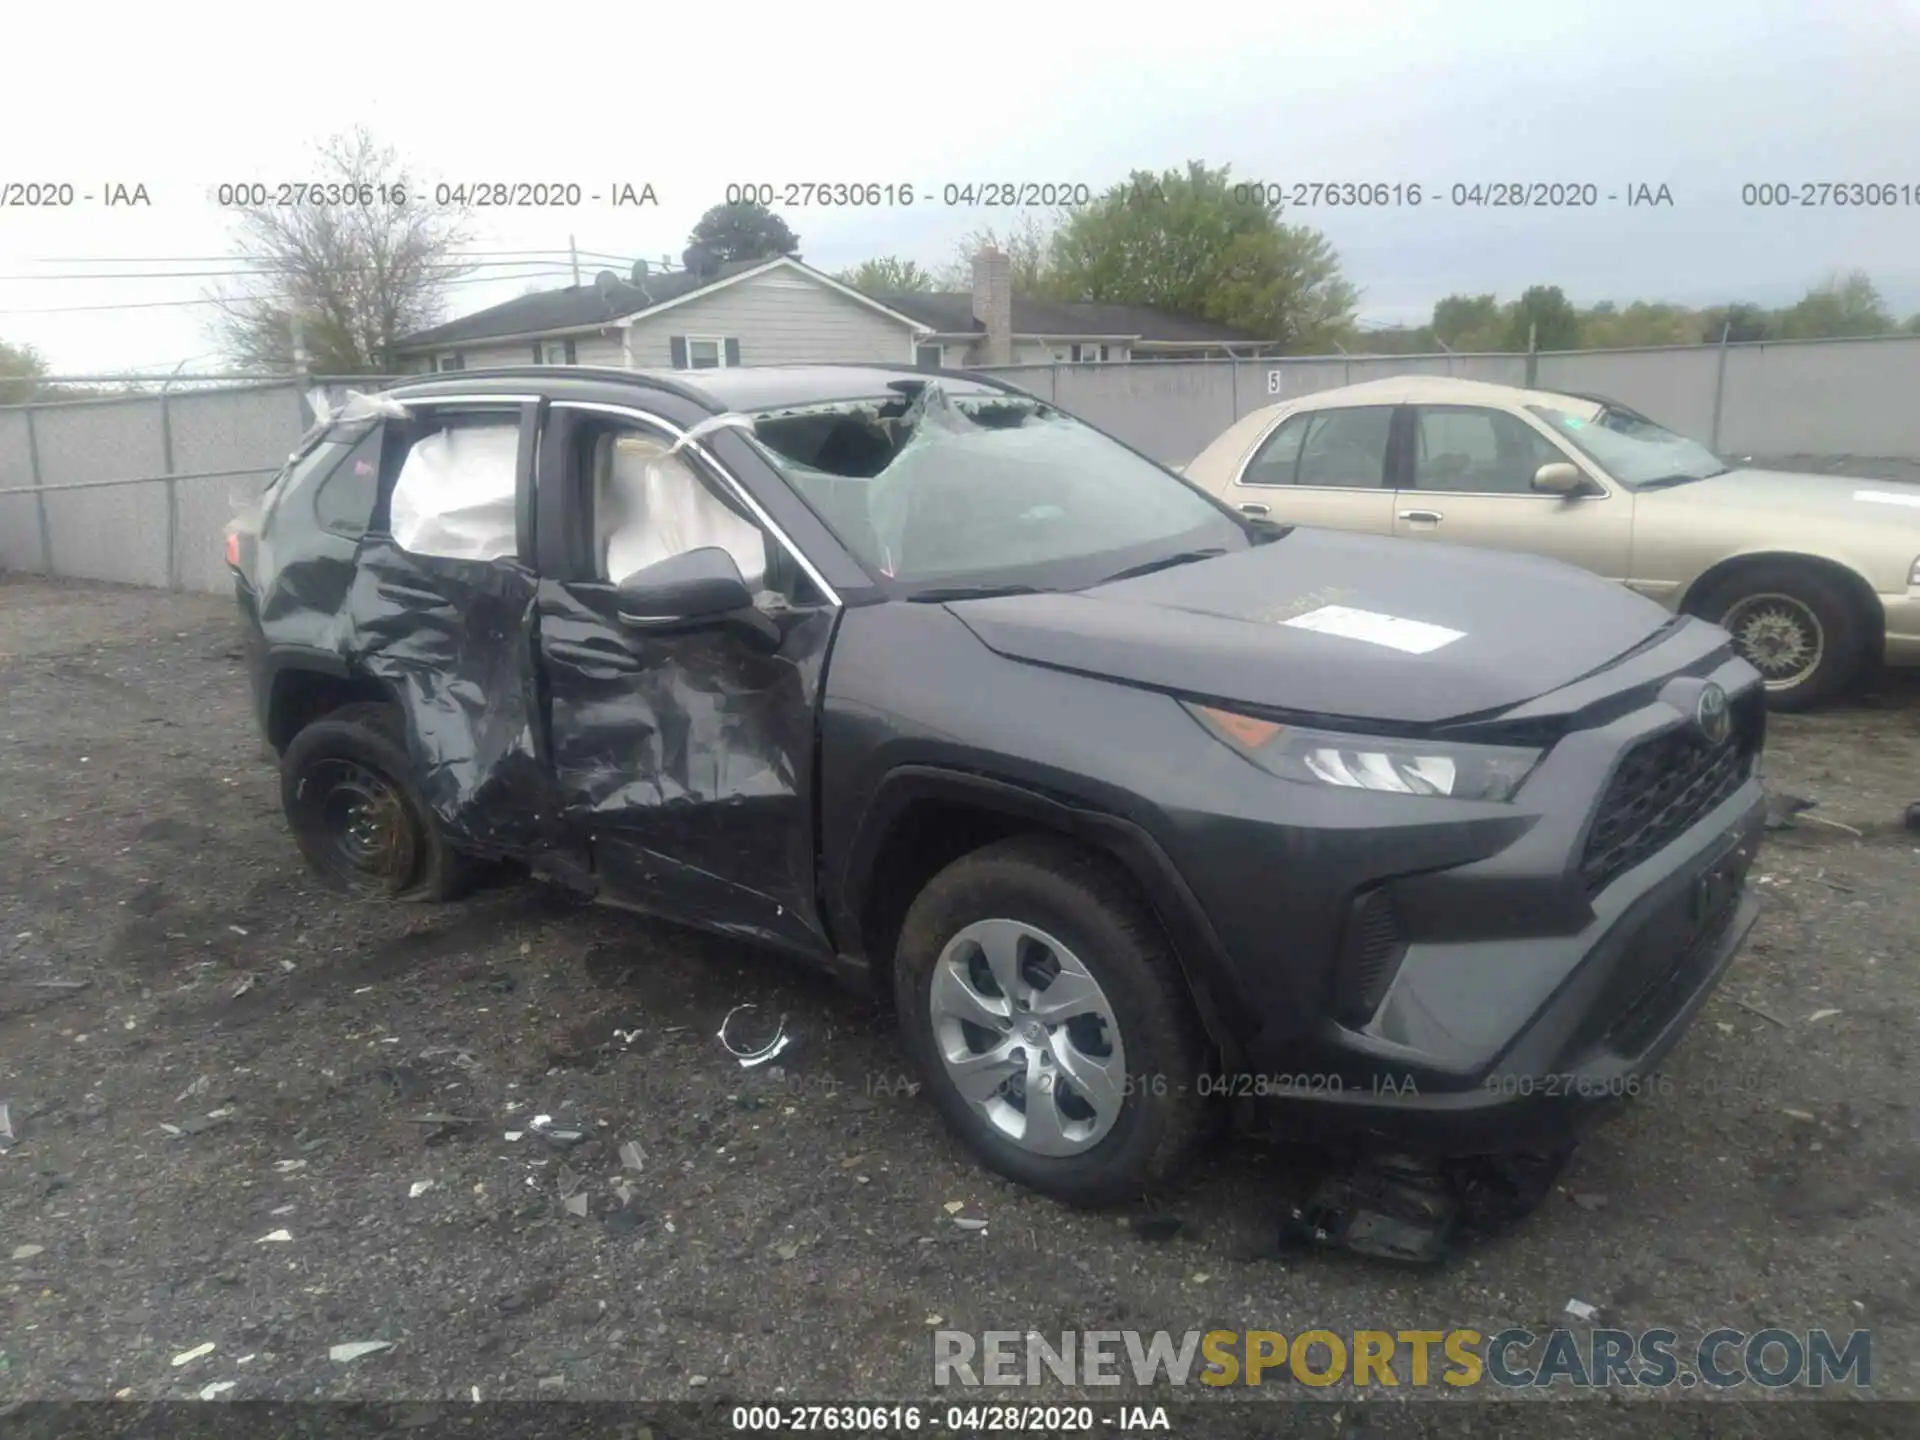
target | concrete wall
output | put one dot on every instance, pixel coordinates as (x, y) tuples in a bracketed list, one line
[(1811, 401)]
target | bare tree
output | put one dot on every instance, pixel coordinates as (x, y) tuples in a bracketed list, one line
[(359, 266)]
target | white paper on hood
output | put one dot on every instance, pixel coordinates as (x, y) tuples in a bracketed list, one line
[(1887, 497), (454, 497), (1416, 637)]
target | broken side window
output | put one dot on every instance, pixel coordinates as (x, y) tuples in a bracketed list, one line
[(454, 497)]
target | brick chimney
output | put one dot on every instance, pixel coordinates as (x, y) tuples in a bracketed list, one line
[(993, 304)]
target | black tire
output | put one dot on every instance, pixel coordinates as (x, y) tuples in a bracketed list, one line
[(1085, 901), (358, 753), (1776, 592)]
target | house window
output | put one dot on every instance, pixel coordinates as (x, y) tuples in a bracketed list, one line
[(1089, 352), (553, 352), (928, 357), (450, 362), (704, 352)]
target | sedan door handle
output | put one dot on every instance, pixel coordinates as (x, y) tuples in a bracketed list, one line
[(1252, 509), (1432, 516)]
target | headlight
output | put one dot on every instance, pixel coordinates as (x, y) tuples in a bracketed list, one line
[(1371, 762)]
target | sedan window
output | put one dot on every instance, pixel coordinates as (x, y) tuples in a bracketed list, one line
[(1475, 451), (1276, 461), (1347, 448), (1631, 447)]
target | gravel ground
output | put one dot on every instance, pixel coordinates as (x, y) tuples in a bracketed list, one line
[(166, 962)]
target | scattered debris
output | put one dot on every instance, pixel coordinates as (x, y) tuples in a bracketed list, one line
[(237, 929), (246, 984), (282, 1210), (287, 1167), (1838, 826), (954, 1207), (1384, 1208), (569, 1180), (354, 1349), (1782, 808), (433, 1117), (1754, 1009), (198, 1087), (27, 1252), (61, 984), (418, 1188), (936, 1319), (632, 1156), (787, 1249), (1801, 1115), (576, 1205), (1821, 1015), (969, 1222), (216, 1389), (187, 1357), (276, 1237), (1836, 885), (1587, 1200), (750, 1056), (1156, 1228), (514, 1134), (200, 1124), (542, 1126), (1581, 1310), (696, 1381), (7, 1136)]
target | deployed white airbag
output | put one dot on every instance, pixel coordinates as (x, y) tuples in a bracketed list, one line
[(454, 497), (652, 507)]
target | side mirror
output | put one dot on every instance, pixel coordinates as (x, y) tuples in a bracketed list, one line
[(702, 584), (1561, 477)]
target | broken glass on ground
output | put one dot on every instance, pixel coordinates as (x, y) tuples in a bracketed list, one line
[(752, 1055)]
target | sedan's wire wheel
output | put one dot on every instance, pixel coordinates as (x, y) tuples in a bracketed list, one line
[(1028, 1037), (1780, 636)]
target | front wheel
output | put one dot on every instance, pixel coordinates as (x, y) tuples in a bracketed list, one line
[(1039, 999), (360, 821), (1793, 625)]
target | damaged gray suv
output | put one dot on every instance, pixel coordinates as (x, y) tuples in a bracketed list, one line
[(1138, 811)]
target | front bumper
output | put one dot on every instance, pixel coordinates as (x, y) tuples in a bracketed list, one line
[(1532, 994)]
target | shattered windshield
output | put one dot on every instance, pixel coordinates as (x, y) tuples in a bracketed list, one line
[(1631, 447), (985, 489)]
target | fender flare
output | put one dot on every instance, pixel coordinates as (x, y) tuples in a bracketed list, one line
[(1217, 995)]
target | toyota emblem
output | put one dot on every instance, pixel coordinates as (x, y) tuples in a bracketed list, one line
[(1712, 714)]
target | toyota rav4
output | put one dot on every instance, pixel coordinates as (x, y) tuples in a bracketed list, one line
[(1129, 804)]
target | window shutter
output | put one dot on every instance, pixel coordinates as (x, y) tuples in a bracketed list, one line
[(679, 348), (539, 353), (570, 359), (733, 353)]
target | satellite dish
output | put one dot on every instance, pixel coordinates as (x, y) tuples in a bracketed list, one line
[(606, 282), (639, 272)]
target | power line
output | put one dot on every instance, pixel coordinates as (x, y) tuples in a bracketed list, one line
[(209, 300), (450, 266)]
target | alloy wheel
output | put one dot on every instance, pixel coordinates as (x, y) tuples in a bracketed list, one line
[(1780, 637), (1028, 1037)]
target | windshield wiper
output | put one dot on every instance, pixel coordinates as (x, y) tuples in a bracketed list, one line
[(1165, 562), (941, 593), (1667, 482)]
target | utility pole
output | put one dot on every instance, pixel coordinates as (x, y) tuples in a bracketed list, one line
[(575, 253)]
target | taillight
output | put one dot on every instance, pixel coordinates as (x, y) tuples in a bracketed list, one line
[(233, 549)]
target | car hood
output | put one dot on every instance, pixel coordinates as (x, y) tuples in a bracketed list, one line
[(1318, 622), (1845, 498)]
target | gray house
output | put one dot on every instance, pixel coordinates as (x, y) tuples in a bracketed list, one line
[(780, 311)]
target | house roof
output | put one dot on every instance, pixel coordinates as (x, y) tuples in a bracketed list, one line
[(584, 307), (578, 307), (951, 313)]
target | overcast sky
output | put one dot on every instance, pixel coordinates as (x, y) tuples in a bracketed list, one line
[(1701, 96)]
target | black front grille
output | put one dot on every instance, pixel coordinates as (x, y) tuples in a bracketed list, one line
[(1663, 785)]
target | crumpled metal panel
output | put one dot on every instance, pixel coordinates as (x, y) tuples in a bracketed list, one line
[(690, 754), (455, 642)]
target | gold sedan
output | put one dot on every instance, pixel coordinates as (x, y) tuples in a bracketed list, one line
[(1814, 575)]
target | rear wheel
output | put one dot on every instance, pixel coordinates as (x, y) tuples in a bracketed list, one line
[(1796, 626), (360, 821), (1051, 1021)]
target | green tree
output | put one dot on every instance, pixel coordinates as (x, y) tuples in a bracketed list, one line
[(1742, 321), (357, 277), (744, 230), (887, 273), (1544, 314), (1912, 327), (21, 373), (1842, 305), (1028, 245), (1606, 326), (1188, 243), (1469, 322)]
